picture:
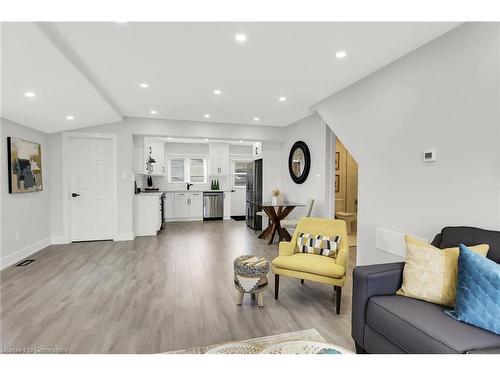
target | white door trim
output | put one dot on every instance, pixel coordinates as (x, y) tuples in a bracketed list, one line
[(66, 191)]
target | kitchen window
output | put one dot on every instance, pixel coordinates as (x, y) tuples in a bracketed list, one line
[(239, 173), (183, 169)]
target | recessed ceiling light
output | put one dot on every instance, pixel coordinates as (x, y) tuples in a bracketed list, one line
[(256, 119), (121, 21), (240, 38), (70, 117), (206, 115), (169, 138), (206, 139), (30, 94), (217, 92), (144, 85), (153, 112), (241, 141), (341, 54), (282, 99)]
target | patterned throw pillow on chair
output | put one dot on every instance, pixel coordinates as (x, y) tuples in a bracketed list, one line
[(317, 244)]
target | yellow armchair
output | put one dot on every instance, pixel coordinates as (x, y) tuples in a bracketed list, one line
[(313, 267)]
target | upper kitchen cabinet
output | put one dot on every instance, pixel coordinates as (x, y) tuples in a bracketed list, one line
[(218, 159), (149, 149), (155, 149), (257, 150)]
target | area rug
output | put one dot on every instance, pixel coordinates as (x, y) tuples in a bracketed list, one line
[(264, 342)]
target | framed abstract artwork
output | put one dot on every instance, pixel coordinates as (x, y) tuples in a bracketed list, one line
[(25, 166), (337, 161), (337, 183)]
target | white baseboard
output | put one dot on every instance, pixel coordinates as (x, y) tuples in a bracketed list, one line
[(179, 219), (124, 237), (59, 240), (25, 252)]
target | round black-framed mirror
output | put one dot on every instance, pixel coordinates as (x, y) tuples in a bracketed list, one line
[(299, 162)]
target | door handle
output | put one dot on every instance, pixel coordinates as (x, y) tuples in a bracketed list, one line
[(74, 195)]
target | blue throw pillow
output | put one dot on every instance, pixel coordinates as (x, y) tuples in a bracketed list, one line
[(478, 291)]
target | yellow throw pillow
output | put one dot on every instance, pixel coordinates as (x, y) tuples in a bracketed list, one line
[(430, 274)]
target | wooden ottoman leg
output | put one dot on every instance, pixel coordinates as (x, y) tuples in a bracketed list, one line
[(260, 299), (240, 297)]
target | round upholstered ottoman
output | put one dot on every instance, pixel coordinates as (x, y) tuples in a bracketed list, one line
[(250, 276)]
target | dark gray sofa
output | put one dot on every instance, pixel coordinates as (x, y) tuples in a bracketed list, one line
[(385, 323)]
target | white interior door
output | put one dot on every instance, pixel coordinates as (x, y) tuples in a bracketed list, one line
[(91, 188)]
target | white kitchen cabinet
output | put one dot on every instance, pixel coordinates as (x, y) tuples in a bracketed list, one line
[(169, 206), (227, 206), (154, 148), (147, 211), (218, 154), (257, 150), (238, 202), (181, 206), (196, 205), (188, 206)]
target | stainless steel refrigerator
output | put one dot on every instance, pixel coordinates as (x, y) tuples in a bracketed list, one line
[(254, 194)]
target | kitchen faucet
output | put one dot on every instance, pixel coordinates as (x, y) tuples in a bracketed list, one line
[(189, 185)]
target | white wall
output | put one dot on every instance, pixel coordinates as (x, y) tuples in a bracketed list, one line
[(443, 96), (25, 228), (55, 168), (313, 131), (162, 128), (272, 169)]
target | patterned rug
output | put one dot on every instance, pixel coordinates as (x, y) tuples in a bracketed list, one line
[(264, 342)]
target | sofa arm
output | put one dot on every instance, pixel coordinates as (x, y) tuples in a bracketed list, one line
[(368, 281), (286, 248)]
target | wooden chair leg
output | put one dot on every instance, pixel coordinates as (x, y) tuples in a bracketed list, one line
[(338, 297), (276, 285), (302, 281)]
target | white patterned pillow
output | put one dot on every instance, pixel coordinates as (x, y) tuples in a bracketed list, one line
[(318, 244)]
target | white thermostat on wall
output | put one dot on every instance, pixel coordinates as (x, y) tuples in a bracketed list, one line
[(429, 155)]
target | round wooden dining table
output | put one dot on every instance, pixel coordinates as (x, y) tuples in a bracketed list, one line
[(276, 213)]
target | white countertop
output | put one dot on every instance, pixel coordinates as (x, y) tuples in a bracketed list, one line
[(182, 191), (155, 194), (197, 191)]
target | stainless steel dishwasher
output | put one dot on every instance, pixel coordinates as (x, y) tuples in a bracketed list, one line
[(213, 205)]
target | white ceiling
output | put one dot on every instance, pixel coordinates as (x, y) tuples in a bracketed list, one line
[(93, 70), (30, 62)]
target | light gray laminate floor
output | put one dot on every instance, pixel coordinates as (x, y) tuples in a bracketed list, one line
[(157, 294)]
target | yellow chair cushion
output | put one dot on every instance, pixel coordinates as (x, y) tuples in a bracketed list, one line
[(430, 274), (310, 263)]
